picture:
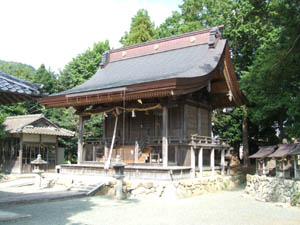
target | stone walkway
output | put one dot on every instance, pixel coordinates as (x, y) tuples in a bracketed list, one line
[(223, 208)]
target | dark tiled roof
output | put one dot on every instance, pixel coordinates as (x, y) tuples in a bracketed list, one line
[(13, 89), (296, 151), (25, 124), (283, 150), (264, 151), (187, 62)]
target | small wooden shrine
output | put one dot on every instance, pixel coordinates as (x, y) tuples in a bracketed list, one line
[(156, 99), (29, 136), (283, 159)]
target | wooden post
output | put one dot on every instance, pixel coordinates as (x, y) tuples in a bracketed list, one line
[(106, 149), (94, 153), (212, 161), (21, 154), (193, 161), (185, 122), (223, 161), (200, 161), (264, 167), (295, 165), (165, 137), (209, 123), (136, 152), (80, 140), (107, 163), (176, 155), (199, 121)]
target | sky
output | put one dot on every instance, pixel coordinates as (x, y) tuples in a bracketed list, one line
[(52, 32)]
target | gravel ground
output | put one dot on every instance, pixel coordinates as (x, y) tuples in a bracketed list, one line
[(211, 209)]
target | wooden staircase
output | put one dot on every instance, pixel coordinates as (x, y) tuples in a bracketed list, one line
[(145, 155), (127, 153)]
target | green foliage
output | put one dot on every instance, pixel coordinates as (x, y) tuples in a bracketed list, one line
[(273, 81), (228, 124), (173, 25), (141, 29), (82, 67), (20, 70)]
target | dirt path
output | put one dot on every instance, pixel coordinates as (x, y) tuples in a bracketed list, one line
[(211, 209)]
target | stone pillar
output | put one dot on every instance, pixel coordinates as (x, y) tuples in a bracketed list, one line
[(165, 137), (80, 141), (200, 161), (212, 161), (193, 162), (223, 161)]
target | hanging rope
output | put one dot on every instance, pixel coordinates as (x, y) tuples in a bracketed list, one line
[(158, 106)]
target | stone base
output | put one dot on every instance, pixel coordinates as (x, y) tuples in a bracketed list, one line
[(176, 189), (273, 189)]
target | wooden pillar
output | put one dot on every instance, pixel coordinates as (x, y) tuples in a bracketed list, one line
[(136, 152), (264, 167), (176, 155), (193, 162), (106, 149), (21, 154), (199, 121), (80, 140), (295, 165), (212, 161), (200, 161), (165, 137), (209, 123), (223, 161), (185, 122), (94, 153)]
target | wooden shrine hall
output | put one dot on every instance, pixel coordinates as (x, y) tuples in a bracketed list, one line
[(156, 99)]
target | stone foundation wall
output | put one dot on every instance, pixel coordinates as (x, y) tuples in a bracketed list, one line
[(273, 189), (175, 189)]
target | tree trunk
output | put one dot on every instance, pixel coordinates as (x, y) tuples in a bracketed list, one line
[(245, 140)]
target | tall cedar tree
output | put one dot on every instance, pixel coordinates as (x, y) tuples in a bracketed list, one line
[(141, 29)]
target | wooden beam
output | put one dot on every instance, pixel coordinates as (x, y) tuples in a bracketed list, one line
[(165, 137)]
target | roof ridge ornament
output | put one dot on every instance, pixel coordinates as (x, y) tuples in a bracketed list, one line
[(214, 36), (105, 59)]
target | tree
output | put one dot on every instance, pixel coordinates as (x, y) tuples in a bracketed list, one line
[(141, 29), (273, 81), (82, 67)]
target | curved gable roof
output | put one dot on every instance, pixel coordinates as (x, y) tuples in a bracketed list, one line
[(13, 89)]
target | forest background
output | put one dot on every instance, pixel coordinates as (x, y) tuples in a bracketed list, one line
[(264, 40)]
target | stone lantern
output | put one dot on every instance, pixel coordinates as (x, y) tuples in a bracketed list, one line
[(119, 175), (37, 168)]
